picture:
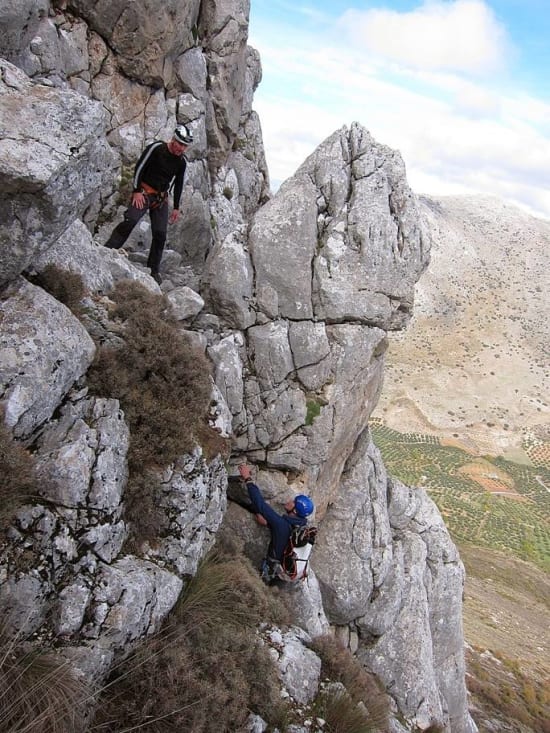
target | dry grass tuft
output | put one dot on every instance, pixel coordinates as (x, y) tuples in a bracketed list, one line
[(63, 285), (341, 714), (39, 692), (228, 590), (206, 671), (339, 665), (18, 481)]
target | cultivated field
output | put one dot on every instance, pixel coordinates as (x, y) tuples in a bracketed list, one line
[(484, 500)]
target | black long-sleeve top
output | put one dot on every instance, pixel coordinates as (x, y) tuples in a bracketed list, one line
[(158, 168)]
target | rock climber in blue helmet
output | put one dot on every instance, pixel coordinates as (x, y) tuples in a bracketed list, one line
[(297, 511)]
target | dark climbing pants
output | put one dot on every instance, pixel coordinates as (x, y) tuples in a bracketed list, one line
[(159, 226)]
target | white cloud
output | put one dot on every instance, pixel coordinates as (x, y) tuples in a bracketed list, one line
[(462, 36), (455, 135)]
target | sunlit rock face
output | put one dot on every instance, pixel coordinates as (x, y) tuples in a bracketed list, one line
[(291, 296)]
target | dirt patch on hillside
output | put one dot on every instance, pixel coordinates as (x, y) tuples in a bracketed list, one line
[(491, 479)]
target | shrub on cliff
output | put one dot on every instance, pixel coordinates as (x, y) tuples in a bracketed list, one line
[(164, 387), (162, 382)]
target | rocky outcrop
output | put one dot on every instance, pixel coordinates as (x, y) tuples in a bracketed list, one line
[(53, 161), (290, 296), (151, 66), (44, 351)]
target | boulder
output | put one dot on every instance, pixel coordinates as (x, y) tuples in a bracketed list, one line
[(100, 268), (53, 160), (43, 351), (186, 303), (299, 667)]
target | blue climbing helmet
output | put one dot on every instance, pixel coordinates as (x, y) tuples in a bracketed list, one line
[(303, 506)]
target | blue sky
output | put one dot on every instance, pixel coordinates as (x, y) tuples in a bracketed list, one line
[(460, 87)]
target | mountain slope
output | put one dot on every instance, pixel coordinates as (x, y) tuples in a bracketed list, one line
[(473, 365)]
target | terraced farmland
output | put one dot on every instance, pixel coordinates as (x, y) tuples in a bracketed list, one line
[(487, 501)]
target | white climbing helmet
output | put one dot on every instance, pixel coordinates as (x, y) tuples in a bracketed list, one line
[(183, 135)]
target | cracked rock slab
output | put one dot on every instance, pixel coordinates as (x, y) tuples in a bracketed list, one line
[(43, 350), (53, 159)]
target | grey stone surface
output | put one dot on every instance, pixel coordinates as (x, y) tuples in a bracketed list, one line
[(19, 21), (299, 667), (223, 26), (287, 225), (228, 370), (52, 166), (130, 599), (306, 605), (231, 294), (186, 303), (43, 351), (194, 500), (356, 527), (143, 33), (100, 268)]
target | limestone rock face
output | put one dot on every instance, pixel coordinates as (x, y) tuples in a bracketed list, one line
[(144, 34), (348, 216), (53, 160), (401, 572), (101, 595), (286, 285), (44, 350), (290, 296), (223, 24)]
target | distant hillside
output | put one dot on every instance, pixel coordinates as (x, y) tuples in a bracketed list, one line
[(473, 365)]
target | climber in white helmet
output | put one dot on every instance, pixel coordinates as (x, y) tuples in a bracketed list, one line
[(160, 167)]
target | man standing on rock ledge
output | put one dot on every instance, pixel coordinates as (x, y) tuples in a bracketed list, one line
[(160, 167)]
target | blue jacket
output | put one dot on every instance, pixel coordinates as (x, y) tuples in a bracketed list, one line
[(279, 524)]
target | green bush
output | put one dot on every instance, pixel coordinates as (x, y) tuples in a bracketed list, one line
[(313, 410)]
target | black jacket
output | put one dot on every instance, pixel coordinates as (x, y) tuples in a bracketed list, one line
[(158, 168)]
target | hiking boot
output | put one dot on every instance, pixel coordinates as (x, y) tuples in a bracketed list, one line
[(156, 277)]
